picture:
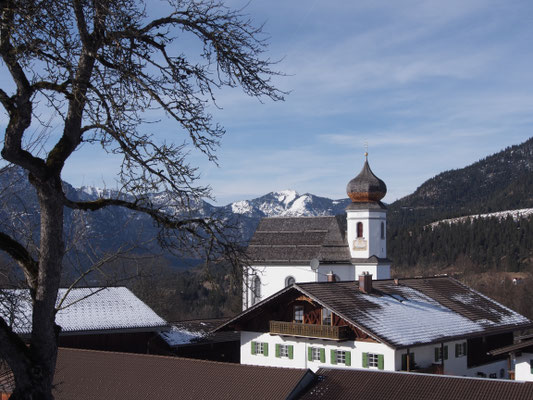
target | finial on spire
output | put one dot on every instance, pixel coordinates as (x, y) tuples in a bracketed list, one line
[(366, 150)]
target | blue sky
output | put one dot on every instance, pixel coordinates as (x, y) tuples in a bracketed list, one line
[(429, 85)]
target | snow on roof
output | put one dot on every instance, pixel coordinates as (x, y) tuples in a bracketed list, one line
[(411, 312), (177, 336), (84, 309), (416, 311)]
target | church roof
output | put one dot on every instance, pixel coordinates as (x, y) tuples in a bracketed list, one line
[(413, 312), (297, 240), (366, 187)]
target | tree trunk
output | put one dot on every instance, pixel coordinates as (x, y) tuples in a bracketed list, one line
[(37, 384)]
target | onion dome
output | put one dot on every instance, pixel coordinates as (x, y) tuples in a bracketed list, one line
[(366, 187)]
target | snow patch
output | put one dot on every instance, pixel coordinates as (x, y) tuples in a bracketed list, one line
[(514, 214)]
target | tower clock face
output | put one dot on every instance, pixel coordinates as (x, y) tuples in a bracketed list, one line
[(359, 244)]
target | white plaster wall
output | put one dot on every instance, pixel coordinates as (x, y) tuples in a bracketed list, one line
[(345, 272), (425, 357), (371, 220), (522, 368), (273, 277), (381, 271), (301, 346)]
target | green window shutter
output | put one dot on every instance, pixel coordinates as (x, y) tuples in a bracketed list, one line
[(278, 350), (404, 362), (437, 358), (348, 358), (457, 349), (381, 361), (365, 360), (291, 352), (310, 353), (445, 352), (254, 348), (322, 355), (333, 357), (265, 349)]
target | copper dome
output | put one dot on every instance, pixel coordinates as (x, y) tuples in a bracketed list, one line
[(366, 187)]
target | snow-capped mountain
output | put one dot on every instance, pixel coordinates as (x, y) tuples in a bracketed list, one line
[(287, 203), (116, 227)]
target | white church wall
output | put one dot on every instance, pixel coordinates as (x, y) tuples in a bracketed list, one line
[(381, 272), (273, 279), (372, 244)]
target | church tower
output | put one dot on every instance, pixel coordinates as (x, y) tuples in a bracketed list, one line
[(367, 224)]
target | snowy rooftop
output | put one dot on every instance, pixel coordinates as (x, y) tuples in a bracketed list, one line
[(84, 309), (416, 311)]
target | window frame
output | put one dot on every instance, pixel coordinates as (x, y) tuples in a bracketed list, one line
[(324, 318), (296, 312), (288, 281), (373, 360), (359, 230)]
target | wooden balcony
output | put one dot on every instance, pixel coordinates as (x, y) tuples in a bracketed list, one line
[(309, 330)]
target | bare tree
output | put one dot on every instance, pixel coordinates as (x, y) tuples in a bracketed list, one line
[(100, 65)]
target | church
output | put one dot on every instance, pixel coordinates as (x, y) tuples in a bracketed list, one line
[(315, 249), (318, 293)]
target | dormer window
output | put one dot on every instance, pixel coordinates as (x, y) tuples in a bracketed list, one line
[(359, 229)]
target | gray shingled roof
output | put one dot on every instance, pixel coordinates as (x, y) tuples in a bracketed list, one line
[(294, 240), (414, 312)]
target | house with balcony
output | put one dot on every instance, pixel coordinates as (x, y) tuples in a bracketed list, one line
[(435, 325), (318, 293)]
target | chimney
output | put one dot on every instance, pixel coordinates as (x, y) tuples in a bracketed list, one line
[(365, 282), (331, 277)]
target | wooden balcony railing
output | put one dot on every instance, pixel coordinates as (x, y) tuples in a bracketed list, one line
[(309, 330)]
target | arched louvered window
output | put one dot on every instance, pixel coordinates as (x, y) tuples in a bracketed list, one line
[(256, 290), (359, 229)]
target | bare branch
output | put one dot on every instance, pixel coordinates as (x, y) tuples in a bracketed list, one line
[(22, 257)]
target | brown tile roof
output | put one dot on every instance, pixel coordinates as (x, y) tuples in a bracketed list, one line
[(414, 312), (282, 240), (88, 375), (340, 384)]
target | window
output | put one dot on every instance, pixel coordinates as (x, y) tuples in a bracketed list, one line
[(256, 290), (316, 354), (341, 357), (289, 281), (383, 230), (408, 366), (260, 348), (299, 314), (285, 351), (326, 316), (371, 360), (438, 353), (460, 349), (359, 229)]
